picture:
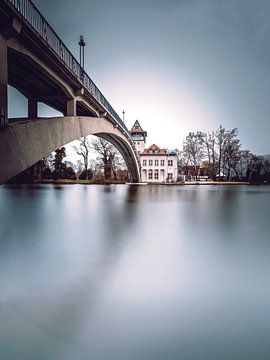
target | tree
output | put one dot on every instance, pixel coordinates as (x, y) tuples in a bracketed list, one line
[(208, 141), (242, 164), (224, 139), (231, 156), (110, 158), (69, 173), (83, 150), (256, 168), (266, 171), (182, 161), (59, 166), (194, 151)]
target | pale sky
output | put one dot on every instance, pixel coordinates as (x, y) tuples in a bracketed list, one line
[(176, 65)]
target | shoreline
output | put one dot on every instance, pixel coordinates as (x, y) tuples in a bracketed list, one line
[(119, 182)]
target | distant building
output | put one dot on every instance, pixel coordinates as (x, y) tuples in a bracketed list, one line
[(139, 136), (157, 165)]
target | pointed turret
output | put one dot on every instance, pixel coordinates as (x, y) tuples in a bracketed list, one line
[(139, 136)]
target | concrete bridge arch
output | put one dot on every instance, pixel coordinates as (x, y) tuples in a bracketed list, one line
[(25, 142)]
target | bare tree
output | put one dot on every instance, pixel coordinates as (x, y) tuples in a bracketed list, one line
[(208, 141), (83, 150), (224, 140), (194, 151), (231, 156), (182, 160), (256, 168), (109, 157), (243, 164)]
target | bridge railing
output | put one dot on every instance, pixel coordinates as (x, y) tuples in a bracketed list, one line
[(38, 23)]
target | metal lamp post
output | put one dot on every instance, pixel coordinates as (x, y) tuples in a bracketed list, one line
[(82, 45)]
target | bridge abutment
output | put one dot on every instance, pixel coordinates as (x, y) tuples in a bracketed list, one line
[(3, 83)]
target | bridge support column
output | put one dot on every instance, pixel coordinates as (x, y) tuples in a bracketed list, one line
[(32, 109), (71, 107), (3, 83)]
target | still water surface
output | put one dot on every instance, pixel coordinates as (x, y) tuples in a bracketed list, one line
[(134, 272)]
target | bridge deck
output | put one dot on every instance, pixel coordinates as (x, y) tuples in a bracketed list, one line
[(37, 30)]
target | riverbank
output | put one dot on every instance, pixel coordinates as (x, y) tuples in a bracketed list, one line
[(116, 182), (83, 182), (217, 183)]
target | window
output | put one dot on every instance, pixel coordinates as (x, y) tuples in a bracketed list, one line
[(170, 162), (138, 143), (156, 162), (144, 162), (150, 163), (150, 174), (161, 162), (170, 176), (156, 174)]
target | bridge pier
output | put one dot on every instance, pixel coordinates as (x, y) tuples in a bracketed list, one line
[(71, 107), (3, 83), (32, 108)]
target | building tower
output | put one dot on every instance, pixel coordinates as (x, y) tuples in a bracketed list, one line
[(138, 136)]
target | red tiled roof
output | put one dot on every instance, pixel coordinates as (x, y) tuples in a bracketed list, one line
[(154, 148)]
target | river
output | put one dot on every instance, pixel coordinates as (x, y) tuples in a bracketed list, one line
[(120, 272)]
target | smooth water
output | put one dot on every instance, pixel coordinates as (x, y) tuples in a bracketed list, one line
[(134, 272)]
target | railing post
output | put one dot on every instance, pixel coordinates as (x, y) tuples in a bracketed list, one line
[(3, 83), (32, 109)]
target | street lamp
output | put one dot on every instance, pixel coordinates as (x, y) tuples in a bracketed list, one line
[(82, 45)]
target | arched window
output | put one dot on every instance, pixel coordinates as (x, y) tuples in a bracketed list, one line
[(156, 174), (150, 174)]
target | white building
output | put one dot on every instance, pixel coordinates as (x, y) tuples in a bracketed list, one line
[(157, 165)]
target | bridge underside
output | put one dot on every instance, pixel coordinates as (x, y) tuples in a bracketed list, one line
[(25, 142), (30, 78)]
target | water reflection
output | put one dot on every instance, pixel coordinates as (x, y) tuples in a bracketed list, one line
[(134, 272)]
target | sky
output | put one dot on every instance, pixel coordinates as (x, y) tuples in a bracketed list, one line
[(176, 65)]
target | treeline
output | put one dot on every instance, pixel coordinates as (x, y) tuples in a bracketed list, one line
[(218, 155), (108, 164)]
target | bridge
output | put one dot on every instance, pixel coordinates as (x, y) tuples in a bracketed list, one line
[(35, 61)]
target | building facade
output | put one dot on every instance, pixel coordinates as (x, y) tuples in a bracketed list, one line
[(157, 165)]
